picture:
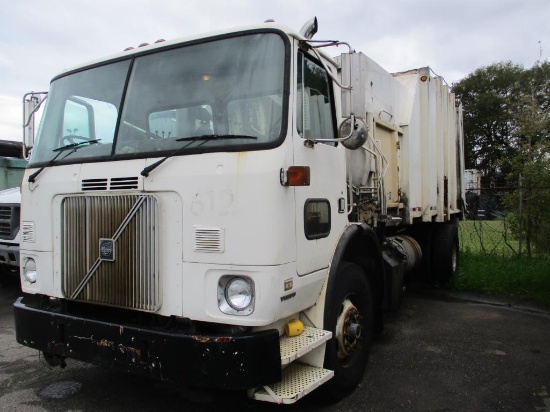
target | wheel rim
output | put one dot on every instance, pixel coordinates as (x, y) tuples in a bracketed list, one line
[(349, 330)]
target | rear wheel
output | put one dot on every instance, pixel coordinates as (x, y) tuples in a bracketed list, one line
[(445, 251), (349, 316)]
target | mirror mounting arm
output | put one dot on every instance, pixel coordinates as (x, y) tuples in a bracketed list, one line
[(355, 139), (327, 43)]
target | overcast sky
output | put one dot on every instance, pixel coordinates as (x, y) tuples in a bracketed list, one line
[(39, 38)]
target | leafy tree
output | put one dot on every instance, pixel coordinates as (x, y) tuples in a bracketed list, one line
[(507, 135), (531, 202), (533, 105), (531, 164), (488, 97)]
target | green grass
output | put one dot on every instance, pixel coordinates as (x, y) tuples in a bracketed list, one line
[(489, 263), (521, 277), (488, 237)]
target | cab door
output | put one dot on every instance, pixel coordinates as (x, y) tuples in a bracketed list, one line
[(320, 207)]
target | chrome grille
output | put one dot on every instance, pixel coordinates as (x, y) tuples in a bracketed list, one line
[(131, 222)]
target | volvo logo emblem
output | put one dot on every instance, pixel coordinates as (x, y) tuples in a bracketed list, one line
[(107, 249)]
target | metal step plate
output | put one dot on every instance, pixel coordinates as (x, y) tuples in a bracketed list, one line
[(298, 380), (295, 347)]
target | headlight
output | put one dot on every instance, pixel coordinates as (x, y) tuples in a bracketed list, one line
[(29, 270), (236, 295)]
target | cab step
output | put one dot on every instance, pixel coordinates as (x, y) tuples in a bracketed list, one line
[(294, 347), (298, 380)]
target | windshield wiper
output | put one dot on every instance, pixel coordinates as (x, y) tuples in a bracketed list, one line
[(59, 150), (205, 138)]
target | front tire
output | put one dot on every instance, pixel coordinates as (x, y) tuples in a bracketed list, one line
[(349, 316)]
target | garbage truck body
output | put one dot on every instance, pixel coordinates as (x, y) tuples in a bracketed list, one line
[(235, 210)]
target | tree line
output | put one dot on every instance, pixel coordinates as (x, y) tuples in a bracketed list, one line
[(506, 130)]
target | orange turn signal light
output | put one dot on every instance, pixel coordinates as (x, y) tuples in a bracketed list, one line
[(295, 176)]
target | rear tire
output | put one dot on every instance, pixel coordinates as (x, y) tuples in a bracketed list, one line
[(349, 316), (445, 251)]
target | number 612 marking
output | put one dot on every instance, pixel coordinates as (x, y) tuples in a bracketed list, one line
[(215, 203)]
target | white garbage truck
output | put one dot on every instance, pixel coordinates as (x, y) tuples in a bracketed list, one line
[(12, 167), (235, 210)]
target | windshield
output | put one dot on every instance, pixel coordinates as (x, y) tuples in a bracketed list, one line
[(149, 105)]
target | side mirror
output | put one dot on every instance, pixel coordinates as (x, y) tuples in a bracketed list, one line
[(353, 133), (309, 28), (31, 104)]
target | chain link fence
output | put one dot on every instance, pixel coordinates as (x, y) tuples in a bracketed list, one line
[(507, 221)]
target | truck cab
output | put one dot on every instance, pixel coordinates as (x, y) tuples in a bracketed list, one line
[(175, 183), (190, 213)]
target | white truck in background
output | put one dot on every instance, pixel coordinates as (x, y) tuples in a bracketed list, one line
[(12, 166), (235, 210)]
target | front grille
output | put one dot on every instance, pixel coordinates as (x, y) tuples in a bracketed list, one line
[(9, 221), (128, 223)]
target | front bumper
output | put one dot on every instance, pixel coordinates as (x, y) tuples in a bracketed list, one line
[(209, 361)]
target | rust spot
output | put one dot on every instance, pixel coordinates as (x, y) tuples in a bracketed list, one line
[(204, 339), (105, 343), (136, 352), (201, 339), (129, 349)]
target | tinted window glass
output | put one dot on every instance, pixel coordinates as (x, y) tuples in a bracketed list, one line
[(314, 106)]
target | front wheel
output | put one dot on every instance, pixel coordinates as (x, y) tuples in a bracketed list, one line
[(349, 316)]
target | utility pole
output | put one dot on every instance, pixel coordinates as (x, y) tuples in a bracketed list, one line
[(520, 213)]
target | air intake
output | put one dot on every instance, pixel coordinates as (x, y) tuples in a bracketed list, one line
[(209, 239), (94, 184), (114, 183), (121, 183)]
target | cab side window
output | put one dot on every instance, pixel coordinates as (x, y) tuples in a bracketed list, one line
[(315, 108)]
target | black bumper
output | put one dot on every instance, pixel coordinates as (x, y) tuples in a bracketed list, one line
[(209, 361)]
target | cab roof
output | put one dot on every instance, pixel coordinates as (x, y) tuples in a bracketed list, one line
[(145, 48)]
